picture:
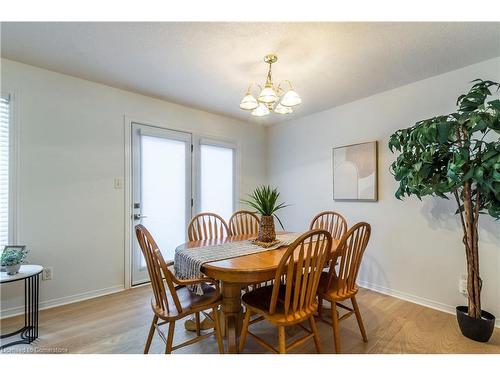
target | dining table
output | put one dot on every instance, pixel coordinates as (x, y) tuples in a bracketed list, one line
[(236, 273)]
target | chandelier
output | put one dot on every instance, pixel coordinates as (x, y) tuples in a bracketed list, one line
[(271, 98)]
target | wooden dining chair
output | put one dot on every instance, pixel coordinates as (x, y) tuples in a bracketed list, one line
[(173, 300), (206, 226), (330, 221), (339, 283), (246, 223), (243, 222), (293, 301)]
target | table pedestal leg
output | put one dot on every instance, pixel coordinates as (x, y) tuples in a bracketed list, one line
[(231, 307)]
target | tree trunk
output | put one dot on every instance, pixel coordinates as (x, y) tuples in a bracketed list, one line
[(471, 248)]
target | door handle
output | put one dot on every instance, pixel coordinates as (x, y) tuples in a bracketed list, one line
[(139, 216)]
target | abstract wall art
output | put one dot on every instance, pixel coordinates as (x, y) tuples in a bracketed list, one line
[(355, 172)]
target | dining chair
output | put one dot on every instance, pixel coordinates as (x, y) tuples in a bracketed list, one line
[(173, 300), (292, 301), (339, 283), (243, 222), (206, 226), (331, 221)]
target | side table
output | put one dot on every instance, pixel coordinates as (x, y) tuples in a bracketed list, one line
[(31, 275)]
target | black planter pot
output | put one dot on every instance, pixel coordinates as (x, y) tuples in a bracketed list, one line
[(475, 329)]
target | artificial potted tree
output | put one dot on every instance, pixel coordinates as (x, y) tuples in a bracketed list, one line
[(265, 201), (458, 156)]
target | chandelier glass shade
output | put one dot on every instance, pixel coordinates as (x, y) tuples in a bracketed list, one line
[(267, 95), (271, 98), (261, 110), (249, 103), (290, 99), (282, 110)]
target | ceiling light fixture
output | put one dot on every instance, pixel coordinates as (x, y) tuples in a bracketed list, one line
[(271, 98)]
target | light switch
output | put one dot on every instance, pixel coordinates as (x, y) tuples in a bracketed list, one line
[(118, 183)]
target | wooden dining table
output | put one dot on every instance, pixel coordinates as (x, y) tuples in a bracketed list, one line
[(238, 272)]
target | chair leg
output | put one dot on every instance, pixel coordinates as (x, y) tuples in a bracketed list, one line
[(150, 335), (197, 320), (281, 338), (170, 337), (244, 329), (358, 318), (320, 307), (314, 330), (218, 333), (335, 326)]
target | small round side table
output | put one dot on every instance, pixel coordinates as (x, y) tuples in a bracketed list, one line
[(30, 273)]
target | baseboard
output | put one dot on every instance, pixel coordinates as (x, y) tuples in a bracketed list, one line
[(412, 298), (13, 311)]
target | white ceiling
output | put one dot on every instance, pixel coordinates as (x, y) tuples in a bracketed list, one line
[(209, 65)]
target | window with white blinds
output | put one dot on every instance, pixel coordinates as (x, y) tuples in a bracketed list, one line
[(4, 169)]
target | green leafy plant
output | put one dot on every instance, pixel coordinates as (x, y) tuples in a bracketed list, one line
[(456, 155), (12, 257), (265, 201)]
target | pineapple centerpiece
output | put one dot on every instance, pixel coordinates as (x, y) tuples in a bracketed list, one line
[(265, 201)]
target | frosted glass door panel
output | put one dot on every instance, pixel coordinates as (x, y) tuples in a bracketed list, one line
[(217, 180), (163, 191)]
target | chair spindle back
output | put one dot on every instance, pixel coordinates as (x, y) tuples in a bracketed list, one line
[(349, 253), (244, 222), (157, 270), (207, 226), (330, 221), (301, 266)]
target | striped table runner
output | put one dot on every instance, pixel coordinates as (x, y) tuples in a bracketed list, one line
[(188, 262)]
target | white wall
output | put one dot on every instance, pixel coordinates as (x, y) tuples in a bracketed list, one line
[(416, 250), (71, 149)]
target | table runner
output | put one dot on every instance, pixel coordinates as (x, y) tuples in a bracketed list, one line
[(188, 262)]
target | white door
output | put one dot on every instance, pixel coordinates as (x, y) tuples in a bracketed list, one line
[(161, 190)]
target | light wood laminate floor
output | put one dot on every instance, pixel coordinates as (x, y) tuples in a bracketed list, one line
[(119, 323)]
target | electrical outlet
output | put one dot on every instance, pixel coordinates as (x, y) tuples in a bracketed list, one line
[(47, 273), (462, 284)]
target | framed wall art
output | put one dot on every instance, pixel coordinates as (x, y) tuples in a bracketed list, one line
[(355, 172)]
